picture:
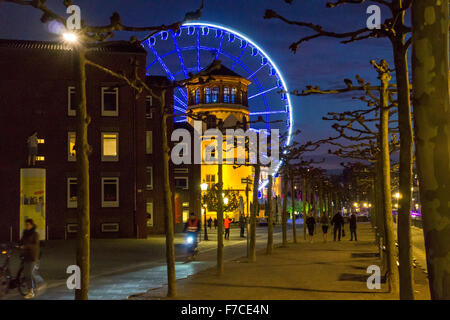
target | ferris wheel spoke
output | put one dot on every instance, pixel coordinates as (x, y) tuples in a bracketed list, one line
[(255, 72), (180, 57), (239, 58), (161, 62), (198, 50), (262, 92), (220, 46)]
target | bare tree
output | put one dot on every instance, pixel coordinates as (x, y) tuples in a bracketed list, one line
[(98, 35), (395, 30)]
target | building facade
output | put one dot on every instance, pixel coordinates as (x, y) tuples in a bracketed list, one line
[(37, 90)]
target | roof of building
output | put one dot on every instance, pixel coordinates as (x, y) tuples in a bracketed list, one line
[(115, 46), (221, 71)]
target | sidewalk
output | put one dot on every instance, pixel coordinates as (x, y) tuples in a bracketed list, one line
[(317, 271)]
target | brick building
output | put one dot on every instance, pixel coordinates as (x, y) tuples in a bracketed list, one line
[(36, 94)]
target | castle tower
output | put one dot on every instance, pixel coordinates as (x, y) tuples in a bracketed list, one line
[(223, 95)]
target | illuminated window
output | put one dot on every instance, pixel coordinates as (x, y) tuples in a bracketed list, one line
[(241, 101), (233, 95), (197, 96), (110, 146), (226, 95), (40, 158), (207, 95), (110, 101), (148, 107), (215, 94), (149, 178), (210, 180), (71, 153), (110, 192), (148, 142), (41, 141), (71, 107), (72, 189)]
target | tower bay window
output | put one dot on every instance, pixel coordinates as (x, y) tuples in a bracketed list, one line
[(207, 95), (215, 95), (226, 95)]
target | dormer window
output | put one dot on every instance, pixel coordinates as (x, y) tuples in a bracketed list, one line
[(226, 95), (207, 95), (215, 95)]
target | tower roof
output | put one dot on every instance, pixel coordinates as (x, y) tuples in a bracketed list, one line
[(221, 71)]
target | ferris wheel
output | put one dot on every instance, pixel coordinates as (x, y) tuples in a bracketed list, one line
[(195, 45)]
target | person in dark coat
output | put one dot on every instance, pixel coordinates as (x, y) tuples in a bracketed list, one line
[(352, 224), (30, 250), (216, 223), (337, 222), (210, 223), (242, 222), (311, 224)]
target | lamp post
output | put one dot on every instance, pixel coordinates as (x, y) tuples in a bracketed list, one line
[(204, 187)]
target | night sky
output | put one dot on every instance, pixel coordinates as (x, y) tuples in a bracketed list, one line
[(324, 61)]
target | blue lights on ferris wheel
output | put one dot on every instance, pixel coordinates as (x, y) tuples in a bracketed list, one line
[(266, 79)]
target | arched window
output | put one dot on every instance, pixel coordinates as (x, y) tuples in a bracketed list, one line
[(192, 97), (197, 96), (241, 101), (233, 95), (207, 95), (215, 94), (226, 95)]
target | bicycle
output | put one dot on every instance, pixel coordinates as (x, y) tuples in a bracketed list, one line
[(7, 281)]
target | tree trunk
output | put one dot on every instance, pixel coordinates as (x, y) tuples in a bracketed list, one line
[(255, 209), (406, 270), (270, 218), (168, 208), (294, 225), (220, 230), (430, 21), (387, 200), (284, 222), (305, 195), (82, 151)]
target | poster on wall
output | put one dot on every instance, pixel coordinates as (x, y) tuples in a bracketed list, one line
[(32, 199)]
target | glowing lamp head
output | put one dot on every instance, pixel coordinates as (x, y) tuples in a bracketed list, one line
[(70, 37), (204, 186), (190, 240), (225, 201), (3, 252), (356, 204), (397, 195)]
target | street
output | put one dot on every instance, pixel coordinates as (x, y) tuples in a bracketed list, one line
[(122, 267)]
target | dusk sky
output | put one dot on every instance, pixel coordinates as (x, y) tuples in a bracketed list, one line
[(324, 61)]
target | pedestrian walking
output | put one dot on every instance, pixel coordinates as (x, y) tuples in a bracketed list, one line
[(343, 226), (210, 223), (311, 224), (30, 250), (215, 223), (352, 225), (227, 224), (242, 222), (325, 222), (337, 223)]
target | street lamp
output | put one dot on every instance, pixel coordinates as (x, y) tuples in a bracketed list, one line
[(70, 37), (225, 200), (204, 187)]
